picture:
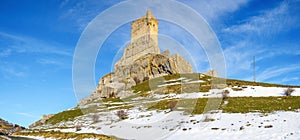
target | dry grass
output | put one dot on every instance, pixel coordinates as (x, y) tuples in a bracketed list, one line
[(63, 135)]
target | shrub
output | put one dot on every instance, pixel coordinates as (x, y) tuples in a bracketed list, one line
[(95, 118), (146, 78), (237, 89), (225, 94), (122, 114), (289, 91), (78, 127), (136, 80), (208, 119), (172, 105)]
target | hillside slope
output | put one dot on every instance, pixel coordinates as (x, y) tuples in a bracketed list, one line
[(182, 95)]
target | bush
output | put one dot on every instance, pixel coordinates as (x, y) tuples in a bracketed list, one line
[(225, 94), (78, 127), (208, 119), (289, 91), (95, 118), (136, 80), (172, 105), (146, 79), (122, 114)]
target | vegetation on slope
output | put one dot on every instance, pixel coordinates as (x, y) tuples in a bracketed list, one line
[(67, 115), (63, 135), (261, 104), (233, 104), (179, 83), (186, 87)]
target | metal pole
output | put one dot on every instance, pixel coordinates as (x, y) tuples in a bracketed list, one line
[(254, 69)]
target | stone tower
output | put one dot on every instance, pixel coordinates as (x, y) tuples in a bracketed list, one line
[(144, 39), (145, 26), (141, 61)]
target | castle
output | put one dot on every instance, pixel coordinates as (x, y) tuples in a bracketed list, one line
[(141, 61)]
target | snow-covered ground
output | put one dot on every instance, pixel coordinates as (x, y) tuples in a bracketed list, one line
[(249, 91), (151, 124), (216, 125), (234, 126), (42, 138), (37, 138), (176, 125), (279, 125)]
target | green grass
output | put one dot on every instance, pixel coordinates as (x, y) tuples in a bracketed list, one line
[(112, 100), (194, 106), (235, 104), (152, 85), (234, 82), (261, 104), (67, 115)]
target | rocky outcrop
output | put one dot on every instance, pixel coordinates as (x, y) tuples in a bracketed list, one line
[(9, 128), (211, 73), (41, 121), (118, 84)]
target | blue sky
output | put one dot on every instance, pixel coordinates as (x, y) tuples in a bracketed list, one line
[(38, 39)]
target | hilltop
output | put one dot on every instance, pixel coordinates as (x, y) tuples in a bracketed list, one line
[(9, 128)]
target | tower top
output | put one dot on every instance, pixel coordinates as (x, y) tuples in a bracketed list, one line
[(149, 14), (144, 38)]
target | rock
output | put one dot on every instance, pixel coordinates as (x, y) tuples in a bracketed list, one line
[(211, 73), (268, 126), (7, 128), (41, 121)]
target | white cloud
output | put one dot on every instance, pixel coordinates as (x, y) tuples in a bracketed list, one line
[(28, 115), (23, 44), (250, 37), (288, 79), (213, 9), (82, 12), (276, 71), (239, 58), (47, 61), (267, 22), (12, 71), (5, 52)]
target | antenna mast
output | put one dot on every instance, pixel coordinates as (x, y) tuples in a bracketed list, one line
[(254, 69)]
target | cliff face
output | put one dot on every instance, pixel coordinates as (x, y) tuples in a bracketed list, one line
[(141, 61)]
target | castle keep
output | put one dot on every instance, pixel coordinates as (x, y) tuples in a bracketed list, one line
[(141, 61), (144, 39)]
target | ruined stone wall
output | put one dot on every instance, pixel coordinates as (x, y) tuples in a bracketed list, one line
[(180, 65)]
